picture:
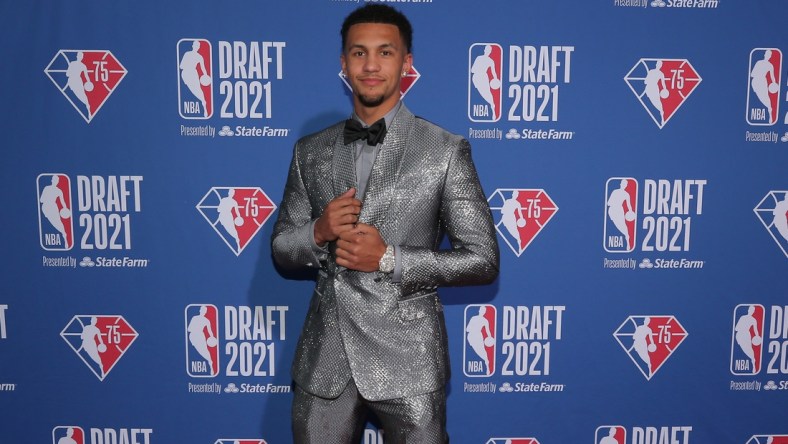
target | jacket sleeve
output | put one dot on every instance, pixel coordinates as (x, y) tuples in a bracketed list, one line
[(292, 241), (465, 216)]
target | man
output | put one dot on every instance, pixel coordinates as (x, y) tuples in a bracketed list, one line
[(370, 214)]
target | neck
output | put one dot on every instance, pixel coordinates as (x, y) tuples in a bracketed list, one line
[(370, 115)]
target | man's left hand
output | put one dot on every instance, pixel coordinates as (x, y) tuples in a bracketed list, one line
[(360, 248)]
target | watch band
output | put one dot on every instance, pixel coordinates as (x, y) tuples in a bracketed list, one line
[(387, 261)]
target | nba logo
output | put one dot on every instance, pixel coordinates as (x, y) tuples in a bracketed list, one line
[(485, 62), (236, 213), (68, 435), (195, 75), (611, 435), (763, 92), (202, 344), (747, 339), (479, 347), (55, 225), (621, 194)]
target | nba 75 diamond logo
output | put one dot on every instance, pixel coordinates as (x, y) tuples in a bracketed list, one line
[(662, 86), (772, 211), (650, 340), (768, 439), (236, 213), (512, 441), (520, 214), (100, 341), (405, 84), (86, 78)]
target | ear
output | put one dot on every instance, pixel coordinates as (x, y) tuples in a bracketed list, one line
[(343, 64)]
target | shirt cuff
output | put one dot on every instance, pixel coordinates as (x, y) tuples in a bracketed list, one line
[(320, 253), (396, 277)]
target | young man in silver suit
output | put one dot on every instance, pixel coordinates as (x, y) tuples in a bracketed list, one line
[(367, 202)]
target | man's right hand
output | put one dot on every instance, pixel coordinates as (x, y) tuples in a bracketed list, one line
[(340, 214)]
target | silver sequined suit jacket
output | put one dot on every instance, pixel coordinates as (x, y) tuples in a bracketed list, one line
[(389, 337)]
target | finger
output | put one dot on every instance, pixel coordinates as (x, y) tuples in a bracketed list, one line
[(362, 228), (349, 193)]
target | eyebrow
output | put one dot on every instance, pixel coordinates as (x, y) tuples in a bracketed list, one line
[(383, 46)]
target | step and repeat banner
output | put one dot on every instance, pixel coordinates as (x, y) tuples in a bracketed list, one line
[(635, 155)]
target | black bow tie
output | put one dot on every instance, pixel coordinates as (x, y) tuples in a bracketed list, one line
[(374, 134)]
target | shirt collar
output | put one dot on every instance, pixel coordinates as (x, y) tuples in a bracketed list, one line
[(389, 117)]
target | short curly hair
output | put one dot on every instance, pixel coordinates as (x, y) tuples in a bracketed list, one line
[(373, 13)]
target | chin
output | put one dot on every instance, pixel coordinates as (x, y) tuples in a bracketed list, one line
[(371, 102)]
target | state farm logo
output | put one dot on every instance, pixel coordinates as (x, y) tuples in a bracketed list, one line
[(405, 84), (662, 86), (650, 340), (100, 341), (520, 215), (236, 214), (86, 78), (772, 211)]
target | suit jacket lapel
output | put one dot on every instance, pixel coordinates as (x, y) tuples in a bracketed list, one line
[(344, 167), (385, 171)]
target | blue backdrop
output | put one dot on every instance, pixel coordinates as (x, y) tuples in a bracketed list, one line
[(634, 154)]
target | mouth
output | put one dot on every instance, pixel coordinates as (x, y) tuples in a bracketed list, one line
[(370, 81)]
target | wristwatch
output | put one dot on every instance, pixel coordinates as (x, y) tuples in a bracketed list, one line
[(387, 261)]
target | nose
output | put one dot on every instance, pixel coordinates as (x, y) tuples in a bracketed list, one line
[(371, 63)]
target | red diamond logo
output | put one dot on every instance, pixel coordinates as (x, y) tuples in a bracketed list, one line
[(650, 341), (236, 213), (100, 341), (520, 215), (405, 84), (662, 86), (86, 78)]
